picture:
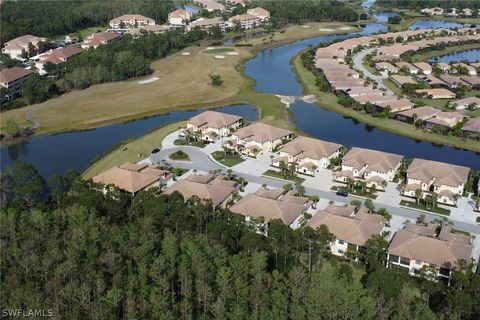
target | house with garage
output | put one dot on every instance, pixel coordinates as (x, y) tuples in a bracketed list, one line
[(212, 125), (18, 47), (447, 181), (98, 39), (471, 103), (307, 154), (179, 18)]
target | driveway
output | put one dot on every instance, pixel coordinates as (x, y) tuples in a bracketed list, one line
[(358, 64)]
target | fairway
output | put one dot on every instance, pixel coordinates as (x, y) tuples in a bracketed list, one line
[(183, 83)]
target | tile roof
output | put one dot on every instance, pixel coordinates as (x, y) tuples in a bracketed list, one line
[(12, 74), (375, 160), (312, 148), (261, 132), (443, 173), (214, 119)]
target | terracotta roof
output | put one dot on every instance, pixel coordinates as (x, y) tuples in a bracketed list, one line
[(472, 80), (440, 92), (210, 4), (129, 177), (180, 13), (59, 55), (429, 230), (243, 17), (201, 22), (443, 253), (256, 206), (214, 119), (421, 112), (24, 41), (269, 193), (312, 148), (375, 160), (443, 173), (12, 74), (402, 79), (473, 125), (216, 192), (261, 132), (348, 229), (467, 101), (258, 11), (396, 105)]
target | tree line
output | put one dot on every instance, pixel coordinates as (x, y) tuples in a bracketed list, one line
[(420, 4), (68, 248), (57, 18)]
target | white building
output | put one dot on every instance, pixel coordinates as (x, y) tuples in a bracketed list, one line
[(129, 21), (212, 125), (16, 47), (179, 18)]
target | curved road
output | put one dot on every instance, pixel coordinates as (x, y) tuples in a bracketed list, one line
[(358, 64), (201, 161)]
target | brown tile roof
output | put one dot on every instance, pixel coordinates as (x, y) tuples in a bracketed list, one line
[(429, 249), (467, 101), (437, 92), (443, 173), (429, 230), (214, 119), (312, 148), (255, 206), (12, 74), (258, 11), (401, 80), (375, 160), (421, 112), (396, 105), (216, 192), (243, 17), (129, 177), (59, 55), (345, 210), (473, 125), (352, 231), (472, 80), (261, 132)]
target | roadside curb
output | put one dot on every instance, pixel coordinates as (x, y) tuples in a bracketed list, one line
[(424, 211)]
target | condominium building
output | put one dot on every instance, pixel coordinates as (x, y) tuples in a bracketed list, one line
[(129, 21), (246, 21), (56, 56), (17, 47), (97, 39), (212, 124), (179, 17), (13, 80), (207, 24)]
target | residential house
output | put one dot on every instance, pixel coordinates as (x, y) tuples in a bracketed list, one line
[(432, 81), (374, 99), (13, 80), (209, 5), (447, 120), (424, 67), (362, 91), (179, 18), (212, 125), (432, 11), (401, 80), (372, 166), (466, 103), (261, 13), (206, 24), (472, 128), (157, 29), (133, 177), (17, 47), (452, 82), (395, 105), (437, 93), (387, 67), (56, 56), (129, 21), (308, 154), (259, 138), (206, 187), (271, 204), (473, 81), (411, 68), (444, 67), (416, 248), (243, 3), (97, 39), (471, 70), (446, 180), (419, 113), (245, 21), (351, 230)]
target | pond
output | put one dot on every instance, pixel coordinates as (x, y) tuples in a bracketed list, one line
[(436, 24), (52, 154), (472, 55)]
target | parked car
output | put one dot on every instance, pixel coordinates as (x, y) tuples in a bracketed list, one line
[(156, 150), (342, 193)]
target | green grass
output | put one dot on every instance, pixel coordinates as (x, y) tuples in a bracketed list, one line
[(179, 155), (276, 174), (329, 100), (229, 161), (392, 86), (182, 142), (367, 194), (88, 31), (414, 205), (132, 151)]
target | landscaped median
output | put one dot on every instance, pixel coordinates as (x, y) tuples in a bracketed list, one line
[(227, 159), (278, 175), (423, 208)]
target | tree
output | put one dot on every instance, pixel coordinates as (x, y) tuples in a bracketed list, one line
[(215, 33), (216, 80), (418, 195), (12, 128), (369, 204)]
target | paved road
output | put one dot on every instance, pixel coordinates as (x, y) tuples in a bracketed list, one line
[(358, 64), (201, 161)]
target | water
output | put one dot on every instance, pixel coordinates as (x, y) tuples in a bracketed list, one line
[(436, 24), (52, 154), (331, 126), (472, 55), (188, 8), (383, 16)]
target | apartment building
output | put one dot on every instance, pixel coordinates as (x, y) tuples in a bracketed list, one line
[(308, 154), (351, 227), (15, 48), (212, 125), (13, 80), (56, 56), (209, 5), (422, 249), (206, 24), (447, 120), (97, 39), (261, 13), (446, 180), (246, 21), (374, 167), (129, 21), (179, 18), (259, 138)]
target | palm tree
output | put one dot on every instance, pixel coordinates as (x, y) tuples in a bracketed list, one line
[(229, 174), (287, 187), (315, 199), (434, 199), (300, 189), (350, 183), (418, 195), (283, 168)]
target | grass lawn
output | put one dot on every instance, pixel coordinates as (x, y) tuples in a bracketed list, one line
[(88, 31), (182, 142), (230, 161), (129, 151), (412, 204), (179, 155), (392, 86), (329, 102), (276, 174)]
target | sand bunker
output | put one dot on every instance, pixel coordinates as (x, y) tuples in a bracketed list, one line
[(325, 30), (152, 79), (185, 53), (306, 27), (345, 28), (219, 57), (233, 53), (210, 48)]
